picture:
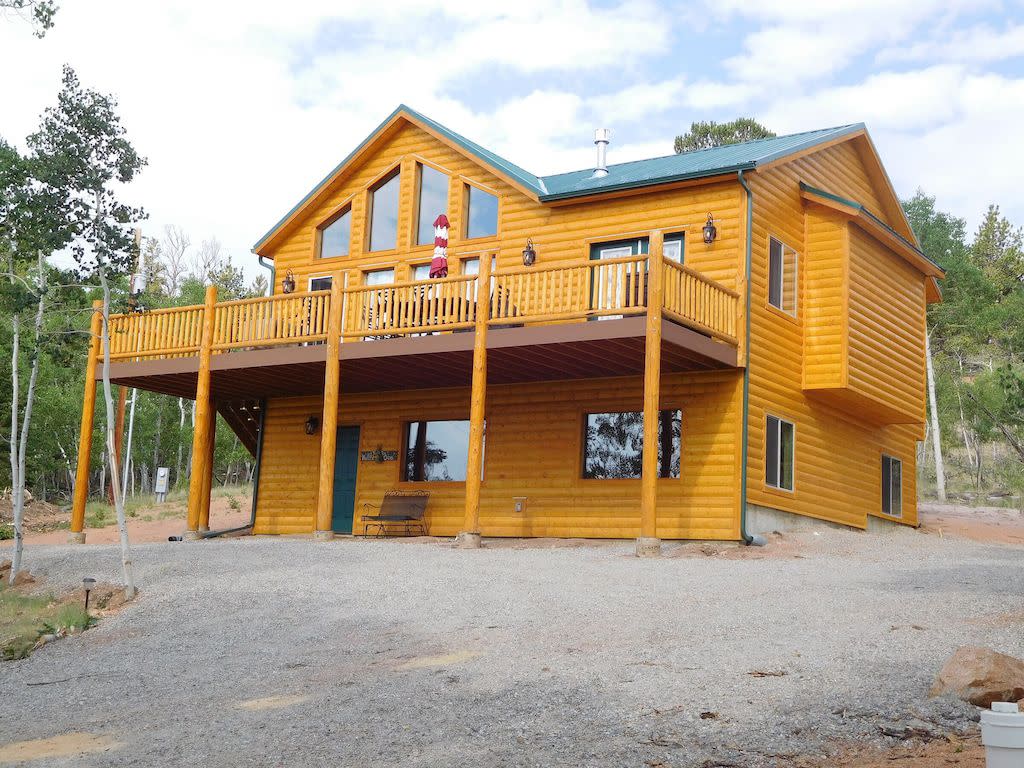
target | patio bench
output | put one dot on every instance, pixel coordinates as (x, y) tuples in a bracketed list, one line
[(403, 508)]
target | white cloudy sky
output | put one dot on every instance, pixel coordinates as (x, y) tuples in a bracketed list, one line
[(242, 107)]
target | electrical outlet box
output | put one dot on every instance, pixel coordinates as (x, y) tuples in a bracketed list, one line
[(519, 505)]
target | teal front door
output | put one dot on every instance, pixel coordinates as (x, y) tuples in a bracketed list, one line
[(346, 464)]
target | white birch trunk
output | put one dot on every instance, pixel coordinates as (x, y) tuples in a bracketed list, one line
[(940, 469), (108, 398), (13, 449)]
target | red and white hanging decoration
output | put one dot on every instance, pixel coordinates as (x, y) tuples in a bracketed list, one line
[(439, 264)]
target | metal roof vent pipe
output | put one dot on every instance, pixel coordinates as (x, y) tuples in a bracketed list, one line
[(601, 137)]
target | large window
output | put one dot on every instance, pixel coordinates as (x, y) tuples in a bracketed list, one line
[(613, 445), (436, 450), (673, 248), (433, 201), (481, 213), (892, 486), (782, 276), (384, 213), (779, 449), (334, 237)]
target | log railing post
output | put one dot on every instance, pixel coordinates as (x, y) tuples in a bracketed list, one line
[(469, 537), (323, 528), (648, 544), (77, 534), (201, 436)]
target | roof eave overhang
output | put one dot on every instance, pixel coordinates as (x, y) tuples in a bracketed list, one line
[(874, 226)]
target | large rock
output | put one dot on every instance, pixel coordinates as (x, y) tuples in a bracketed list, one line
[(981, 676)]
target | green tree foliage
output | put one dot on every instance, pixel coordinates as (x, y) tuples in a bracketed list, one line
[(704, 135), (39, 13)]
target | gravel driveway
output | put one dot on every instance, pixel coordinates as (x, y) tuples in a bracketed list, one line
[(291, 652)]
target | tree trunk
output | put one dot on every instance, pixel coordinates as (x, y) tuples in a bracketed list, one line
[(19, 464), (157, 437), (940, 469), (122, 522)]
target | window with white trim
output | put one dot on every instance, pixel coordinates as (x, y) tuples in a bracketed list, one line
[(780, 442), (334, 236), (384, 213), (782, 276), (892, 486)]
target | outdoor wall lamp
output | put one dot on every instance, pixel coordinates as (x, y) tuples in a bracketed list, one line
[(710, 231), (288, 284), (87, 584), (312, 424), (529, 253)]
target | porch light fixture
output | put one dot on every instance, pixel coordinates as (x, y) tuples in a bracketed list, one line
[(529, 253), (87, 584), (710, 231), (288, 284), (312, 424)]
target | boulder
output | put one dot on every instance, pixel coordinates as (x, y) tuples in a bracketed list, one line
[(23, 577), (981, 676)]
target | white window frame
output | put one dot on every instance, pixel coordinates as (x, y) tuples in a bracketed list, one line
[(887, 492), (778, 486), (787, 251)]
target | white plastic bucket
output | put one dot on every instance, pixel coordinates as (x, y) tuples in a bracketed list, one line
[(1002, 733)]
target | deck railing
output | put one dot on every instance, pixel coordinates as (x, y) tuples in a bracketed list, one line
[(593, 289)]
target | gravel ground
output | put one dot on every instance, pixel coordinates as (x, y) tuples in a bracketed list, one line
[(291, 652)]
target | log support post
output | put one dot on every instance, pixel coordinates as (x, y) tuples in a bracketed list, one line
[(648, 544), (469, 537), (323, 529), (201, 436), (77, 533)]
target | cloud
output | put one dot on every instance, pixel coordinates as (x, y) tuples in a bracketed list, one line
[(977, 44)]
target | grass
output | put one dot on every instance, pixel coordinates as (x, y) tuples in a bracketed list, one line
[(25, 618), (99, 514)]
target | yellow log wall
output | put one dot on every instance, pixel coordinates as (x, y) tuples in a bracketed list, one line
[(825, 277), (560, 233), (534, 448), (838, 455)]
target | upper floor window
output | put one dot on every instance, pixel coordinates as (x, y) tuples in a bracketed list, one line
[(673, 247), (613, 445), (481, 213), (782, 280), (334, 236), (384, 213), (433, 201), (379, 277), (892, 486), (780, 447)]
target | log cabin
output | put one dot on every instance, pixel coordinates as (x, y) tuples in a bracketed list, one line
[(758, 308)]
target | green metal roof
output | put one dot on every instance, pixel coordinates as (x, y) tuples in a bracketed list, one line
[(639, 173)]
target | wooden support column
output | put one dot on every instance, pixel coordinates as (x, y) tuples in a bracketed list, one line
[(204, 510), (323, 528), (77, 534), (648, 544), (201, 437), (469, 537)]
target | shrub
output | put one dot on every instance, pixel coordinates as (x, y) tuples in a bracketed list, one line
[(6, 532)]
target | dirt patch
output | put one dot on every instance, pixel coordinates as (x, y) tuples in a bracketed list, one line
[(991, 525), (39, 515), (968, 753), (778, 546), (272, 702), (444, 660), (67, 745)]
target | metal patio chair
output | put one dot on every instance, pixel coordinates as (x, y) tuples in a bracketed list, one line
[(402, 508)]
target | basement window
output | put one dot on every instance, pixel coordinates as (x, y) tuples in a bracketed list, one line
[(892, 486), (481, 213), (436, 451), (384, 213), (334, 236), (782, 276), (780, 440), (613, 445)]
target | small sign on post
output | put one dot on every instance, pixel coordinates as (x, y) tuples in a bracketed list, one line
[(160, 486)]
